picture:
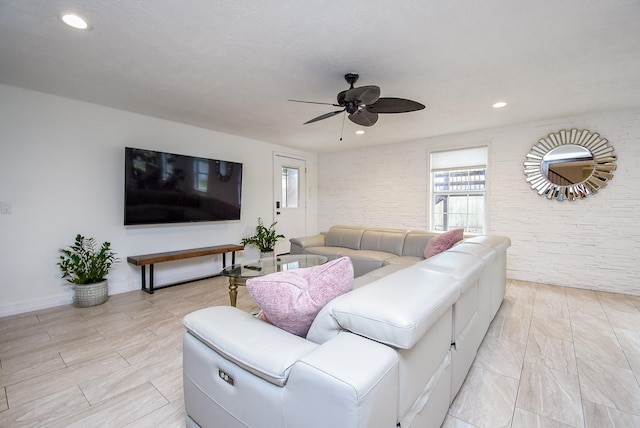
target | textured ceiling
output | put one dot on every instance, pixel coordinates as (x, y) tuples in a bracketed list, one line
[(231, 66)]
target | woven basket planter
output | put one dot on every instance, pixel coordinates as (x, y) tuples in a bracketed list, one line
[(90, 294)]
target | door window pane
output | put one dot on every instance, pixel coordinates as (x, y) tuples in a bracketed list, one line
[(290, 186)]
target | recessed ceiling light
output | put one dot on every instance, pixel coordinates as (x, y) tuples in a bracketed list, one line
[(360, 132), (499, 104), (74, 21)]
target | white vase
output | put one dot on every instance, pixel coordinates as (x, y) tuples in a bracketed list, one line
[(265, 254), (90, 294)]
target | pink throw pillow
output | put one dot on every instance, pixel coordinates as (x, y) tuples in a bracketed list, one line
[(443, 242), (292, 299)]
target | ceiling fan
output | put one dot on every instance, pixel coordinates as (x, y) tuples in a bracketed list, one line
[(364, 104)]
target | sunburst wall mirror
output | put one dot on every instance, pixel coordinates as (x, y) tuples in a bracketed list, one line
[(570, 165)]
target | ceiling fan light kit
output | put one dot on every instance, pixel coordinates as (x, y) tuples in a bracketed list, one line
[(364, 104)]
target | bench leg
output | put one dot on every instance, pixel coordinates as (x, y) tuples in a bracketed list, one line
[(144, 279)]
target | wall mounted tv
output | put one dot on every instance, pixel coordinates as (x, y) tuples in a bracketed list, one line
[(169, 188)]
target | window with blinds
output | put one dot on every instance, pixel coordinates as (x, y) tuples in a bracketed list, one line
[(458, 189)]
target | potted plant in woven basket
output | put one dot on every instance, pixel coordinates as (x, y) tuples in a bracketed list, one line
[(265, 238), (86, 267)]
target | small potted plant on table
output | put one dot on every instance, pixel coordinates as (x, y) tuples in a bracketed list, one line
[(265, 238), (86, 268)]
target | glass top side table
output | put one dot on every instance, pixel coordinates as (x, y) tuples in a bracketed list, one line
[(239, 273)]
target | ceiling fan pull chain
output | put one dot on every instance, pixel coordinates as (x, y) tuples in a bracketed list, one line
[(344, 116)]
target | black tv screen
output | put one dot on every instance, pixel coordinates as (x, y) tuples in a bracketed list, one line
[(169, 188)]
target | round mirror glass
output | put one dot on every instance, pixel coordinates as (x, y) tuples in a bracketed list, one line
[(568, 164)]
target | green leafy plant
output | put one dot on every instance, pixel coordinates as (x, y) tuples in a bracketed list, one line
[(265, 238), (82, 263)]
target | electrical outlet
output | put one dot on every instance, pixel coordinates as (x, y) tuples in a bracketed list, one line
[(5, 207)]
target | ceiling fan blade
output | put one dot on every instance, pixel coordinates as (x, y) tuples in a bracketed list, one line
[(314, 102), (364, 118), (394, 105), (324, 116), (364, 94)]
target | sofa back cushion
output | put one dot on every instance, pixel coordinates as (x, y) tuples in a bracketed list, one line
[(415, 242), (344, 236), (396, 310), (386, 240)]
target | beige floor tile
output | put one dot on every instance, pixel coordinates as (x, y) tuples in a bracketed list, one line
[(23, 367), (551, 308), (559, 328), (551, 293), (624, 320), (508, 328), (51, 383), (616, 302), (598, 416), (599, 348), (45, 410), (522, 292), (150, 351), (591, 307), (500, 356), (634, 362), (171, 415), (555, 354), (514, 309), (550, 393), (119, 410), (4, 405), (170, 385), (486, 399), (118, 382), (525, 419), (17, 322), (20, 345), (451, 422), (590, 324), (629, 341), (609, 386)]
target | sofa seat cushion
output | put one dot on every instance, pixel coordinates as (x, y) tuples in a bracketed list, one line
[(291, 299), (364, 261), (330, 253), (403, 260)]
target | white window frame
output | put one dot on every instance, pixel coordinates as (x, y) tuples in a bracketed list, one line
[(465, 159)]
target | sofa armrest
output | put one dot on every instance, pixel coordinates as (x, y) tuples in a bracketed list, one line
[(348, 382), (299, 244), (256, 346)]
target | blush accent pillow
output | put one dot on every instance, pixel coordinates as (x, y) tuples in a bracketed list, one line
[(443, 242), (291, 299)]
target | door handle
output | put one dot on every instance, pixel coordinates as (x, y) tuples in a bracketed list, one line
[(278, 205)]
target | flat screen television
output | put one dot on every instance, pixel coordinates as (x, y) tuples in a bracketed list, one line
[(170, 188)]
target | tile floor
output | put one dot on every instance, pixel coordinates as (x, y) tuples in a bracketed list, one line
[(553, 357)]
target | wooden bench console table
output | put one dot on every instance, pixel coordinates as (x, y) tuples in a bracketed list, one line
[(150, 259)]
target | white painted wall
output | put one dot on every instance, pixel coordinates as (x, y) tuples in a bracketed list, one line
[(592, 243), (62, 170)]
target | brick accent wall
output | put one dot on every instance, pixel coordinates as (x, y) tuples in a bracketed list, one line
[(593, 243)]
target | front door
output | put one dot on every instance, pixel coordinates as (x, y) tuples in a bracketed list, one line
[(290, 199)]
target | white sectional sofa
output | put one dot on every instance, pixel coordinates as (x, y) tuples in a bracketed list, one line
[(391, 353)]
